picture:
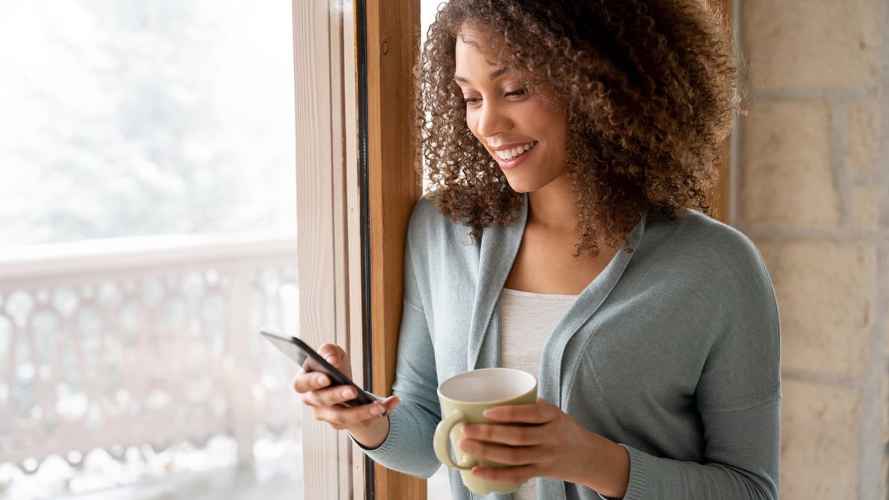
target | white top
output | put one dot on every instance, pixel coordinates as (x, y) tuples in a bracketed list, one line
[(527, 319)]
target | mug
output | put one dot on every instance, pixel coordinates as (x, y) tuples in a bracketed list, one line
[(464, 397)]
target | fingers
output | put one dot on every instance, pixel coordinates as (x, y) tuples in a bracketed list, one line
[(514, 474), (310, 381), (330, 396), (343, 418), (315, 391), (508, 455), (515, 435)]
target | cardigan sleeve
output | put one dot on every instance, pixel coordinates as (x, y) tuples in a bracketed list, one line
[(738, 396), (741, 461), (408, 446)]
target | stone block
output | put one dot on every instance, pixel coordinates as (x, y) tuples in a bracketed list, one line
[(819, 441), (787, 177), (824, 292), (885, 488), (865, 207), (864, 136), (806, 43), (884, 410)]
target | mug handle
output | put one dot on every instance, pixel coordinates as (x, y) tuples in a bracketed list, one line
[(441, 441)]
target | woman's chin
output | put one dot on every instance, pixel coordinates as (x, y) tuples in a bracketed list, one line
[(519, 187)]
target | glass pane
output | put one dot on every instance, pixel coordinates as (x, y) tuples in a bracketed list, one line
[(125, 118)]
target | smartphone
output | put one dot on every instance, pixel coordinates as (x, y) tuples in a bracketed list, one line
[(310, 361)]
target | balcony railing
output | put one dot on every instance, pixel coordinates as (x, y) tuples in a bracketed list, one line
[(127, 348)]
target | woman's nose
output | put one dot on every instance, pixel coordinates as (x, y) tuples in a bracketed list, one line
[(492, 120)]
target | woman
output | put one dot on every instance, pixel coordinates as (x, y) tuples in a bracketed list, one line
[(574, 142)]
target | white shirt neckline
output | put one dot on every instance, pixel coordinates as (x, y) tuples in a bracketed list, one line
[(522, 293)]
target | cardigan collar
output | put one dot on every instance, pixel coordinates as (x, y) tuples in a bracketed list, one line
[(499, 247)]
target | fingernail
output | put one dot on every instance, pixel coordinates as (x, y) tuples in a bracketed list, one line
[(348, 393), (322, 379)]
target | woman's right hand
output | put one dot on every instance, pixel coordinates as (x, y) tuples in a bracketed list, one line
[(326, 402)]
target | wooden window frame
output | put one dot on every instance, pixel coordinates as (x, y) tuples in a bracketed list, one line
[(330, 212), (329, 223), (392, 46), (330, 154), (724, 209)]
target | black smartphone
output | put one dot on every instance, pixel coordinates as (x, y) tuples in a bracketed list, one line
[(310, 361)]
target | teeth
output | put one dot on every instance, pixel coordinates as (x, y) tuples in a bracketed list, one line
[(509, 154)]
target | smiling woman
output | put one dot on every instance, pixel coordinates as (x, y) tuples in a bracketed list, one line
[(552, 126)]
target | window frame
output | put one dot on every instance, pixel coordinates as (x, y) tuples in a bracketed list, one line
[(328, 213), (392, 46), (344, 192)]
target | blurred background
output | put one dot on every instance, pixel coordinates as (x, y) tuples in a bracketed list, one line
[(148, 228)]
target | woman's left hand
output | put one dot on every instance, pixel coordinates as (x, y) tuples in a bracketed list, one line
[(539, 440)]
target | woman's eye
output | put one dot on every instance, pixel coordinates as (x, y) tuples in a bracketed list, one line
[(476, 100)]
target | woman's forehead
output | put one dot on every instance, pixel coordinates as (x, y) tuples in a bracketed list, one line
[(479, 36), (474, 42)]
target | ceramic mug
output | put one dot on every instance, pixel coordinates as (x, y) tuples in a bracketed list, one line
[(464, 397)]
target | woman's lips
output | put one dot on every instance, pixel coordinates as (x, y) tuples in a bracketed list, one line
[(516, 161)]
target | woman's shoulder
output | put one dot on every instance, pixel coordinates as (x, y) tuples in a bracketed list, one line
[(428, 225), (427, 215), (426, 210), (708, 246)]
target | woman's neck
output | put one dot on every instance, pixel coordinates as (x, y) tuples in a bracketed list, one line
[(554, 207)]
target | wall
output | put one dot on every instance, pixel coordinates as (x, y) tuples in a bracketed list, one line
[(811, 187)]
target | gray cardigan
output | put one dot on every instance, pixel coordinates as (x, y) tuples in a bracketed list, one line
[(673, 352)]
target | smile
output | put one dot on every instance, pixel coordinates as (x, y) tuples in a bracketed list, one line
[(509, 158)]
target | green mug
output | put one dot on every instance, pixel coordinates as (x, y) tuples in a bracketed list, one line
[(464, 397)]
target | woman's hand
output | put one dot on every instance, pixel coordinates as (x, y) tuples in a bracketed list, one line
[(326, 402), (540, 440)]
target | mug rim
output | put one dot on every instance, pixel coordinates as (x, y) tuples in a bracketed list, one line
[(469, 373)]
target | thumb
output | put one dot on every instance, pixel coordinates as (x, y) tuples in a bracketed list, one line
[(391, 402), (336, 356), (331, 353)]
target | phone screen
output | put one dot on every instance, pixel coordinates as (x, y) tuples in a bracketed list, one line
[(310, 361)]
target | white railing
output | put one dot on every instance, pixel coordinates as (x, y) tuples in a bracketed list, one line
[(119, 345)]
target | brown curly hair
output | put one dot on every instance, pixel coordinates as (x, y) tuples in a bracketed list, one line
[(648, 87)]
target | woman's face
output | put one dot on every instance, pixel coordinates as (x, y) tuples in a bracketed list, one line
[(507, 120)]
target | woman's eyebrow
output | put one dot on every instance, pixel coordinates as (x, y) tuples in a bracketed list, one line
[(494, 74)]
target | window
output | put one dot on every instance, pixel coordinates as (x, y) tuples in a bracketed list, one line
[(148, 221)]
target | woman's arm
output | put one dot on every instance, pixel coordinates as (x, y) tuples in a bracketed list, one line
[(741, 461), (406, 446), (738, 396)]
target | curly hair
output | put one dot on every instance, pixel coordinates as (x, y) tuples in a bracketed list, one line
[(649, 91)]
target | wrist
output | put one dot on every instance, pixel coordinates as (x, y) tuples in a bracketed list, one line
[(371, 433), (610, 468)]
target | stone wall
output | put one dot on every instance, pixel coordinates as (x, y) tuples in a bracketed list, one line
[(811, 188)]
